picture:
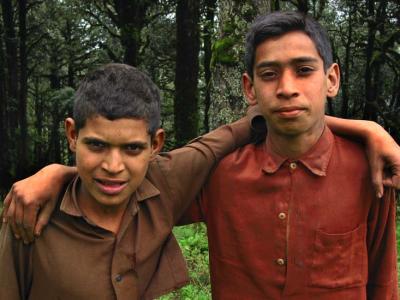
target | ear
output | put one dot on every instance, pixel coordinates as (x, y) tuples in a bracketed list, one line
[(333, 80), (71, 133), (157, 142), (248, 89)]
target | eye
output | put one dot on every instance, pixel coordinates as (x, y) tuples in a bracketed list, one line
[(96, 145), (268, 74), (305, 70), (133, 149)]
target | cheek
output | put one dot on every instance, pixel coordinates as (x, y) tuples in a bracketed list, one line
[(138, 166), (87, 162)]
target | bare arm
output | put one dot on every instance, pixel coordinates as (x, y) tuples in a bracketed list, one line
[(382, 151), (32, 195)]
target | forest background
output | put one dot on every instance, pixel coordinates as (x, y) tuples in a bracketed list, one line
[(193, 50)]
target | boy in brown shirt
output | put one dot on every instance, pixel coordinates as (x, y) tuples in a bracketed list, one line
[(110, 235)]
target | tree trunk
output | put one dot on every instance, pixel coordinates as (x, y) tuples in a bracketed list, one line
[(346, 84), (302, 6), (370, 105), (23, 150), (11, 62), (4, 151), (131, 19), (55, 84), (187, 69), (208, 30)]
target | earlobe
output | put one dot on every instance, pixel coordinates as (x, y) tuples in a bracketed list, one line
[(70, 132), (157, 142), (333, 80), (248, 89)]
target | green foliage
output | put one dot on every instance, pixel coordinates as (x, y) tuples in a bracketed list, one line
[(398, 249), (193, 241)]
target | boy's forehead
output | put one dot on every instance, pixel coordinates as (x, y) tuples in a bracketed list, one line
[(289, 45), (123, 129)]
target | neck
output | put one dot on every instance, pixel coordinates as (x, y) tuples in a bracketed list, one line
[(107, 217), (293, 146)]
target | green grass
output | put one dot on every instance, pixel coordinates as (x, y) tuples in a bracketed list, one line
[(193, 241), (398, 250)]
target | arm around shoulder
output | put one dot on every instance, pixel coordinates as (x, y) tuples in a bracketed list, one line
[(37, 193), (382, 150)]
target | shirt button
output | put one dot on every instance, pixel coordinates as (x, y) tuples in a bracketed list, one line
[(293, 165), (118, 278), (280, 261), (282, 216)]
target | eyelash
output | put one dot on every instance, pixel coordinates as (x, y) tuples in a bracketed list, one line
[(305, 70), (96, 145), (134, 149), (302, 71)]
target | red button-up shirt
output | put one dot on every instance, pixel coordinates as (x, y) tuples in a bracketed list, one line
[(300, 229)]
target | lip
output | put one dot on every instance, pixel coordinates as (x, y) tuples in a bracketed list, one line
[(289, 112), (110, 186)]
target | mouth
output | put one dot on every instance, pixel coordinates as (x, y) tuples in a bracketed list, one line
[(110, 186), (289, 112)]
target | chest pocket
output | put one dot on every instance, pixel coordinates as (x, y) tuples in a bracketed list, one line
[(339, 260)]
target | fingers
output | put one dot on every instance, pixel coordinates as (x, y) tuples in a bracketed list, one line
[(392, 181), (396, 181), (377, 177), (20, 226), (21, 217), (6, 205), (11, 219), (44, 217), (30, 216)]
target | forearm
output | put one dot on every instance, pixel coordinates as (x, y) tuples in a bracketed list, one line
[(359, 129), (187, 169), (224, 139), (57, 174)]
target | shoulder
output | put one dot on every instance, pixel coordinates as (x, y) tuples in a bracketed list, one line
[(348, 145), (350, 154), (240, 158)]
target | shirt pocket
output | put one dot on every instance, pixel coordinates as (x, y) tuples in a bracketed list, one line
[(339, 260)]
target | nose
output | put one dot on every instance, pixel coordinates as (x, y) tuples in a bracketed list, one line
[(113, 162), (287, 87)]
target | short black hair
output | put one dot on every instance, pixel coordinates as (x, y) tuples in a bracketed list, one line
[(116, 91), (282, 22)]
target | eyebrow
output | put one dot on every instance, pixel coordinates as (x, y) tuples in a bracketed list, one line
[(294, 61)]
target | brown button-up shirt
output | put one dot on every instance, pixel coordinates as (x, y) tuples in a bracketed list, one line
[(305, 229), (75, 259)]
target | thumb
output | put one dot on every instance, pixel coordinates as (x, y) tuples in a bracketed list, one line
[(377, 178)]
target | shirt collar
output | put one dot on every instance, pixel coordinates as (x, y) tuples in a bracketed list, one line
[(69, 203), (316, 159)]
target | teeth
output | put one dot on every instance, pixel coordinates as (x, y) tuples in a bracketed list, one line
[(110, 183)]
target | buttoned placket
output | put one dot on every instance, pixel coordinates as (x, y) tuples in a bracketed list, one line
[(123, 267), (283, 209)]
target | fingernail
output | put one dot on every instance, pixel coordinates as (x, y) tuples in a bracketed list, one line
[(17, 236), (37, 233), (4, 220)]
